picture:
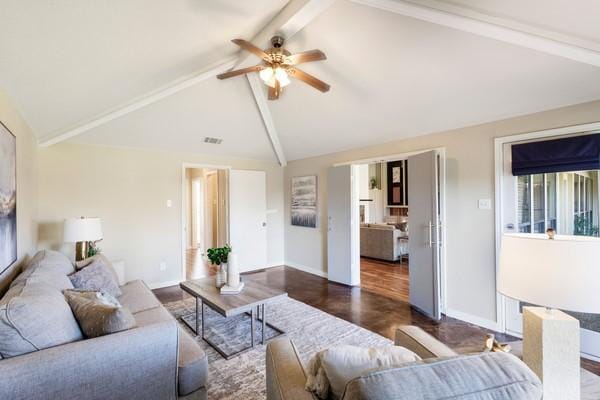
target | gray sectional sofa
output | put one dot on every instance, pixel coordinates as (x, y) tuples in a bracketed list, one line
[(155, 360), (442, 374)]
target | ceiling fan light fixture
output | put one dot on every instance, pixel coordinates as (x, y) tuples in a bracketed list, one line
[(282, 76), (266, 74), (271, 75)]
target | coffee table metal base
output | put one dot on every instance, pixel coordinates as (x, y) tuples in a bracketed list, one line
[(261, 309)]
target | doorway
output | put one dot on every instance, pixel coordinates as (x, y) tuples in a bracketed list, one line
[(383, 237), (385, 227), (205, 223)]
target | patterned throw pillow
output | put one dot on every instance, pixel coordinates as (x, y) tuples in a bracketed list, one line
[(98, 313), (98, 257), (96, 276)]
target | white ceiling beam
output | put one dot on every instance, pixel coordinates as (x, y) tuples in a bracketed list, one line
[(136, 104), (292, 19), (260, 98), (483, 27)]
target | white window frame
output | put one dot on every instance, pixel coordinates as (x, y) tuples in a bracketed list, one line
[(575, 130)]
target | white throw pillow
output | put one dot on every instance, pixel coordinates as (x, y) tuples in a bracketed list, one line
[(330, 370)]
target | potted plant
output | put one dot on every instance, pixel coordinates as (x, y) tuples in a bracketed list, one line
[(218, 256)]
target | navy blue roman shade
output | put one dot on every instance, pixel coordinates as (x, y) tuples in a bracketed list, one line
[(579, 153)]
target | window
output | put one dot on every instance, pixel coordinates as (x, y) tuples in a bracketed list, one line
[(562, 201), (583, 210), (524, 200)]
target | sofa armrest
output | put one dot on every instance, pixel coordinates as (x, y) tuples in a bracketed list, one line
[(422, 343), (285, 374), (139, 363)]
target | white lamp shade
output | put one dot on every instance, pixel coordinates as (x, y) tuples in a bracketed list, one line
[(563, 273), (82, 230)]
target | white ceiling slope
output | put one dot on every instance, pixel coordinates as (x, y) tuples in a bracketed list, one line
[(64, 61), (392, 76)]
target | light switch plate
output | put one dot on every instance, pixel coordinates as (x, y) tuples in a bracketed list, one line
[(169, 203), (485, 204)]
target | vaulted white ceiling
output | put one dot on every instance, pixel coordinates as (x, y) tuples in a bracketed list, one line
[(392, 76)]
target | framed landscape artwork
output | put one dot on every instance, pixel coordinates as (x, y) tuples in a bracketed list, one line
[(8, 198), (304, 201)]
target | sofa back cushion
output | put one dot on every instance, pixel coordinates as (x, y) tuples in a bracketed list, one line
[(480, 376), (34, 314), (52, 266)]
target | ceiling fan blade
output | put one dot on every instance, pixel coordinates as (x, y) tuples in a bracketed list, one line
[(274, 92), (307, 78), (305, 56), (242, 71), (251, 48)]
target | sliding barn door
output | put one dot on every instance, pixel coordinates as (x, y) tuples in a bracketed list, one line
[(425, 233)]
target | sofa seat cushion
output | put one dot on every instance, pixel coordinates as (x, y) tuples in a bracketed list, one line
[(192, 365), (152, 316), (35, 316), (136, 296), (479, 376)]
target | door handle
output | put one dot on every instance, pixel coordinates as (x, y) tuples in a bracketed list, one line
[(437, 227), (430, 231)]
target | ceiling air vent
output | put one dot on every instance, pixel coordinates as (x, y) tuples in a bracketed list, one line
[(212, 140)]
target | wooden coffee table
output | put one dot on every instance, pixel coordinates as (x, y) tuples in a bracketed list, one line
[(252, 300)]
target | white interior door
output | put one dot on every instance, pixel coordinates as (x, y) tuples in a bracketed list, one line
[(247, 216), (343, 257), (425, 233)]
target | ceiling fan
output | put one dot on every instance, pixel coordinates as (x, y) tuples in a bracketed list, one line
[(278, 65)]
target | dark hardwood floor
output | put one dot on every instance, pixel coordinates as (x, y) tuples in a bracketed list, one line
[(363, 307), (388, 279)]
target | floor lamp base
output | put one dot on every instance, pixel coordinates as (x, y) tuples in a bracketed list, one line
[(551, 347)]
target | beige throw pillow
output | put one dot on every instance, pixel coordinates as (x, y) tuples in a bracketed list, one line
[(330, 370), (98, 313)]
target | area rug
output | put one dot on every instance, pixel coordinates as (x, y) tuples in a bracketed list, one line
[(243, 377)]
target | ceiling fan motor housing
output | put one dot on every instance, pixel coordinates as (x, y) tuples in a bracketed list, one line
[(277, 41)]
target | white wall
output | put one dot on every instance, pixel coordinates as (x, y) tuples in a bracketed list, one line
[(470, 176), (129, 189), (26, 186)]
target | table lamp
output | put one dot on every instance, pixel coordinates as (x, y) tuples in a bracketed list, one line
[(559, 273), (82, 231)]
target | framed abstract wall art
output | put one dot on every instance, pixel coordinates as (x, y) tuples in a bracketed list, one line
[(8, 198), (304, 201)]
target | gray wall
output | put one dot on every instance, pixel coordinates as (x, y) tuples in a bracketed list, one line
[(470, 243)]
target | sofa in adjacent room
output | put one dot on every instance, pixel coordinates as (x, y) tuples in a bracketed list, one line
[(43, 355), (382, 241)]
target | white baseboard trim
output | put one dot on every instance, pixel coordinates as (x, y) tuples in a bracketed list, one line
[(159, 285), (304, 268), (473, 319)]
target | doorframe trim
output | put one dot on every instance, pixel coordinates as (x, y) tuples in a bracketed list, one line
[(402, 156), (499, 143), (184, 167)]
